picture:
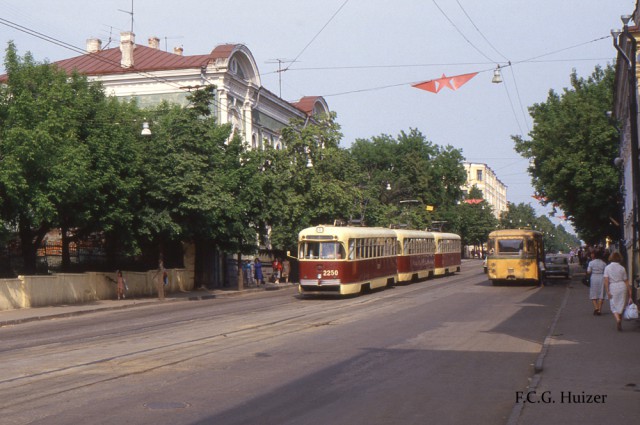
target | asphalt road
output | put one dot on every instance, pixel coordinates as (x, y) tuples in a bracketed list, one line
[(448, 350)]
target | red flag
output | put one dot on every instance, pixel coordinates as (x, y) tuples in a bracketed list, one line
[(454, 83)]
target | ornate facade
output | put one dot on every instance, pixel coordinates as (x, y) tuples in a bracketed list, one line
[(151, 75)]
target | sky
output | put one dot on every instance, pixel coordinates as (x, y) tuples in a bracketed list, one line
[(364, 55)]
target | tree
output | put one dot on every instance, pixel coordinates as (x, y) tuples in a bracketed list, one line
[(475, 219), (45, 175), (308, 182), (409, 168), (519, 216), (571, 148), (189, 191)]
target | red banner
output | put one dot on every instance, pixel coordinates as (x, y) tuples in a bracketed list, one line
[(454, 83)]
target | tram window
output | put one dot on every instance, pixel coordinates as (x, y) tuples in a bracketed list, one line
[(331, 250), (352, 249), (309, 250), (510, 246)]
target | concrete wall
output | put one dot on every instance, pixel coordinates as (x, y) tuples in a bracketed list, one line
[(68, 288)]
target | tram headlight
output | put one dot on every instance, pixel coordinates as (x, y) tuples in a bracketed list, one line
[(319, 276)]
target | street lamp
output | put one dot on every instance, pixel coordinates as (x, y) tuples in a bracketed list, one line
[(497, 76), (145, 129)]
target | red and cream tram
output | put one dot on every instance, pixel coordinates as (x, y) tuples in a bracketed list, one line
[(349, 260), (346, 260), (448, 253), (416, 255)]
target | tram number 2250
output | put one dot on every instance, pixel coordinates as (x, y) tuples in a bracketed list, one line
[(329, 273)]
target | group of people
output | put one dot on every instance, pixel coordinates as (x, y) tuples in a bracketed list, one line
[(253, 271), (608, 281)]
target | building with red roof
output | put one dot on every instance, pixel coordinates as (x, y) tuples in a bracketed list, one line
[(152, 75)]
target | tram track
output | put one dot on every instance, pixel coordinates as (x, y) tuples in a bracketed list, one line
[(294, 316)]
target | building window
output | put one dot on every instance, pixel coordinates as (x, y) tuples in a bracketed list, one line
[(479, 175)]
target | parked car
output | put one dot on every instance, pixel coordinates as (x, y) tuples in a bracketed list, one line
[(557, 265)]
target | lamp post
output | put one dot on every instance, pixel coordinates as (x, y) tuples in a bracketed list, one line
[(630, 61)]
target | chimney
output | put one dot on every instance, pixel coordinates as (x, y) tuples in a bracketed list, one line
[(94, 45), (127, 44), (178, 51), (154, 42)]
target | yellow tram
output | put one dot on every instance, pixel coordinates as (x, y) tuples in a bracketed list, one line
[(515, 255)]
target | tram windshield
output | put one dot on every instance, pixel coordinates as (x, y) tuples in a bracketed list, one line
[(510, 246), (321, 250)]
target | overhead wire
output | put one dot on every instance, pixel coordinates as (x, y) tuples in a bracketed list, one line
[(317, 34), (461, 33), (480, 32)]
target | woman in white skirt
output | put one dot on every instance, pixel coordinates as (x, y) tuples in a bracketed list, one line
[(595, 271), (617, 286)]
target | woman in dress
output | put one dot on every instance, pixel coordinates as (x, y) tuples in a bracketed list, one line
[(617, 286), (286, 269), (120, 283), (595, 272), (258, 272)]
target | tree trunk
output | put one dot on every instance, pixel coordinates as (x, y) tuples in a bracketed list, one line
[(240, 273), (66, 255), (30, 240)]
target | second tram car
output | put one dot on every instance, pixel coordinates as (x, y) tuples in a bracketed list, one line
[(416, 255)]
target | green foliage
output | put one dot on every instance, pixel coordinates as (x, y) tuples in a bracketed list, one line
[(572, 147), (307, 182), (45, 178), (398, 178), (522, 216)]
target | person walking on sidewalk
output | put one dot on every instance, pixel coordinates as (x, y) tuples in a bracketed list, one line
[(595, 273), (286, 269), (120, 285), (616, 283), (159, 279), (257, 269)]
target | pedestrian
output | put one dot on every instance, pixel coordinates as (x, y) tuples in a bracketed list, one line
[(616, 283), (257, 269), (120, 285), (159, 278), (595, 273), (276, 266), (286, 269), (246, 271)]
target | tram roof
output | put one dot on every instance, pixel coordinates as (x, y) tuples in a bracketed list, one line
[(341, 232), (440, 235), (413, 233), (514, 233)]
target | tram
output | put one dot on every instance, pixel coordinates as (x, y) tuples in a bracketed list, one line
[(346, 260), (448, 253), (515, 255), (351, 260), (416, 255)]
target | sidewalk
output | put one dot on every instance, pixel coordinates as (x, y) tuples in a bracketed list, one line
[(587, 371), (24, 315)]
